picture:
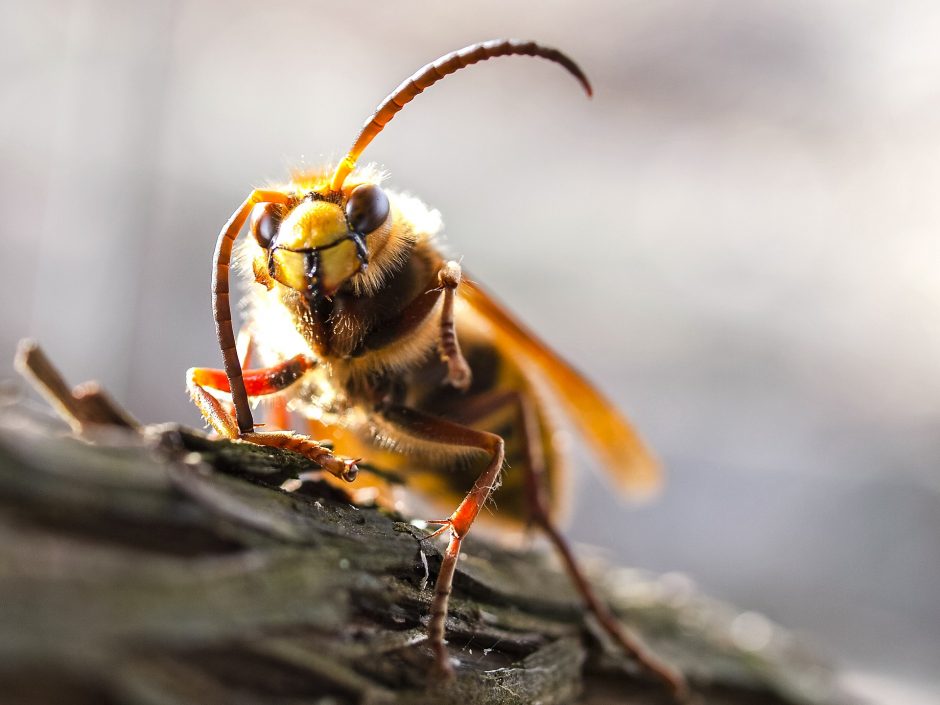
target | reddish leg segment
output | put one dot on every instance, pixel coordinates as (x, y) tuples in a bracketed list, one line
[(259, 383), (539, 504), (245, 348), (278, 415), (435, 430)]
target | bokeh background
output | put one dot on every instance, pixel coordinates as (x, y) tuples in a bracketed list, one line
[(738, 235)]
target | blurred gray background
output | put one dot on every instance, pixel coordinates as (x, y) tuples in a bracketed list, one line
[(739, 234)]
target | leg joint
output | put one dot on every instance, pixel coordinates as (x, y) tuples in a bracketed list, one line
[(496, 445)]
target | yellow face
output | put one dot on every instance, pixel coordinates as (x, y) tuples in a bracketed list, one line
[(315, 228), (322, 241)]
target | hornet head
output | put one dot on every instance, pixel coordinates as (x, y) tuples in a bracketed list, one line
[(323, 239)]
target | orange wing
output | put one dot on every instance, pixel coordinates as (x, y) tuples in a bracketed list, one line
[(629, 463)]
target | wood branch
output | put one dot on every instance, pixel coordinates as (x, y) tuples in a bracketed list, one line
[(84, 407), (166, 567)]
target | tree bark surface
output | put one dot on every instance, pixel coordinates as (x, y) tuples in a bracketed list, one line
[(164, 567)]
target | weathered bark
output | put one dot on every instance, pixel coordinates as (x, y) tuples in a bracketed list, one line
[(170, 568)]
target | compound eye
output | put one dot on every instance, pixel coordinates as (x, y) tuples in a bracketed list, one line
[(265, 220), (367, 208)]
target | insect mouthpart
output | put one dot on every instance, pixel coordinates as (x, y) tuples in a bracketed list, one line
[(311, 269), (324, 268)]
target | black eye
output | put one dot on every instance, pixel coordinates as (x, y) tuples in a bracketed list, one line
[(265, 220), (367, 208)]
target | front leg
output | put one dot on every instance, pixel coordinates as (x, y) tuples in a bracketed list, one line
[(458, 371), (260, 383), (418, 313)]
